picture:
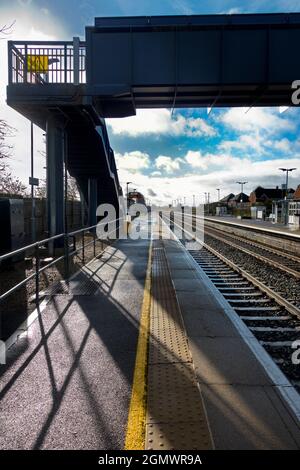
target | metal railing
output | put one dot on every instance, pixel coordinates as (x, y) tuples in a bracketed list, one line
[(65, 257), (40, 62)]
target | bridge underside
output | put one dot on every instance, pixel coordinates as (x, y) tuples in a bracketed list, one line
[(192, 61)]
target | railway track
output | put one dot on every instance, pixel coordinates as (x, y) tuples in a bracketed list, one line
[(275, 257), (272, 319)]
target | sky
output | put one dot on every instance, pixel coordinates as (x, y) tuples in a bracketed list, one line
[(165, 155)]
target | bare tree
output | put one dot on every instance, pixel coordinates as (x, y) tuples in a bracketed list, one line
[(9, 184), (72, 189), (6, 29), (5, 148)]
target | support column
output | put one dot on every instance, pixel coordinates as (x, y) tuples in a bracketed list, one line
[(55, 178), (92, 201)]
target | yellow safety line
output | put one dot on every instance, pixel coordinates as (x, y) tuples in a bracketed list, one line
[(135, 434)]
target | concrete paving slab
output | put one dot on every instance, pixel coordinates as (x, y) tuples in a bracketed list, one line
[(226, 360), (183, 274), (246, 418), (199, 322), (188, 285)]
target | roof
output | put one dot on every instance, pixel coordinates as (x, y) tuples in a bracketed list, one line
[(227, 198), (187, 21), (297, 192), (271, 193), (241, 197)]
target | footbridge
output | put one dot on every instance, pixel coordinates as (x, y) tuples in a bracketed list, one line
[(68, 88)]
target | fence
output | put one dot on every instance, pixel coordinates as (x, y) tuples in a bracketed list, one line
[(47, 62), (68, 250)]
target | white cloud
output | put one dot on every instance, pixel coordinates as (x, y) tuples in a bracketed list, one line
[(246, 142), (195, 159), (204, 172), (133, 162), (168, 164), (283, 144), (256, 120), (160, 122)]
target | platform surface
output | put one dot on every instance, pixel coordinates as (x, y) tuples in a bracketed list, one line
[(256, 223), (68, 381)]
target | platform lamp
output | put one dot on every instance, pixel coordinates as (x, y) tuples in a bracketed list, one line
[(218, 189), (127, 193), (242, 188), (286, 212), (287, 170)]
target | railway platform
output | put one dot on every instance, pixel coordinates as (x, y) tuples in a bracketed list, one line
[(142, 352), (262, 225)]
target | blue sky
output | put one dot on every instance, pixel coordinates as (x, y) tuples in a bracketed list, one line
[(166, 156)]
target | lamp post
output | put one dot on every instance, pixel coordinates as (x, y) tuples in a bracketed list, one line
[(208, 194), (242, 188), (31, 179), (194, 200), (218, 189), (286, 211), (127, 194), (287, 170)]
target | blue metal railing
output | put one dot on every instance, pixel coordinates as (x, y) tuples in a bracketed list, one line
[(40, 62), (65, 257)]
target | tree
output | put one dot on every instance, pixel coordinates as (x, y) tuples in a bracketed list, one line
[(9, 184), (5, 148), (5, 30)]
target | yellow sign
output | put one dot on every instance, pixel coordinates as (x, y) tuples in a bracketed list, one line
[(37, 63)]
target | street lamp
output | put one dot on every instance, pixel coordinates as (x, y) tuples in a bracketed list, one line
[(194, 203), (242, 188), (127, 194), (218, 189), (127, 184), (286, 211), (208, 194), (287, 170)]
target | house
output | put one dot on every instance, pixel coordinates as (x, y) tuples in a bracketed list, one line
[(239, 198), (265, 195), (224, 204)]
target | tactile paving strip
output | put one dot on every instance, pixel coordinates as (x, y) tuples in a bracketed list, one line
[(176, 417), (168, 345), (164, 436), (174, 406)]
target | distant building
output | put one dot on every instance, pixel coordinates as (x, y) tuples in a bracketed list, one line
[(240, 198), (297, 193), (265, 195), (294, 208), (224, 204), (225, 200), (288, 210)]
